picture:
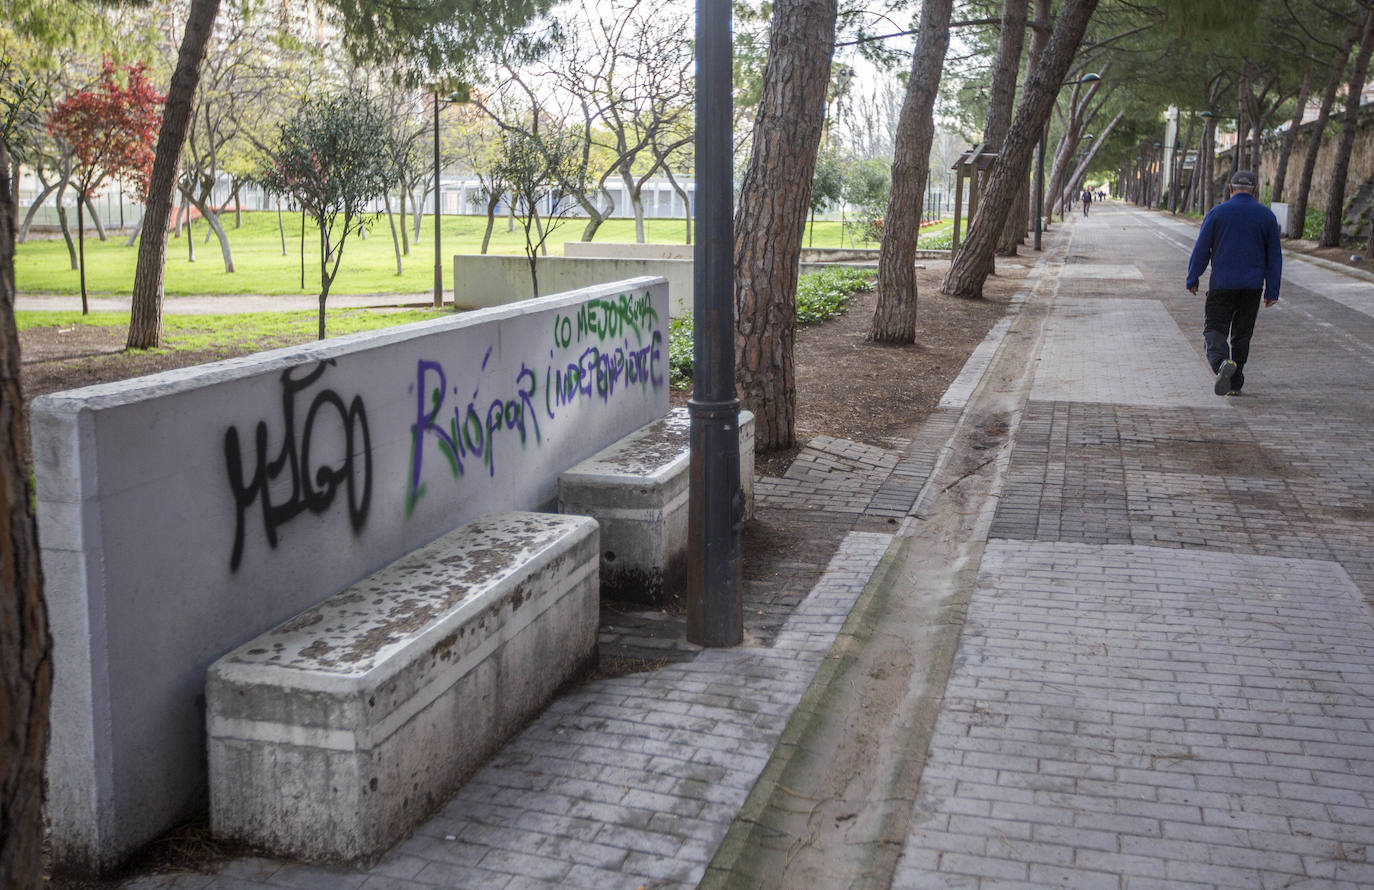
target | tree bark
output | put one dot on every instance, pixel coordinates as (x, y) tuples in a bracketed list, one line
[(133, 235), (1290, 138), (25, 646), (95, 218), (1297, 217), (33, 211), (894, 318), (395, 238), (81, 251), (1340, 173), (145, 320), (595, 216), (1002, 101), (215, 226), (686, 200), (492, 201), (65, 228), (772, 213), (1039, 38), (973, 263)]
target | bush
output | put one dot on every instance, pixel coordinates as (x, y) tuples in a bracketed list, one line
[(825, 294), (820, 296), (680, 352), (1312, 224)]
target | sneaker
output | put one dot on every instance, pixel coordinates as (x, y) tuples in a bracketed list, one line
[(1224, 375), (1235, 393)]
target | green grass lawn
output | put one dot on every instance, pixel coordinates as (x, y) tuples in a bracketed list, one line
[(369, 266), (233, 332)]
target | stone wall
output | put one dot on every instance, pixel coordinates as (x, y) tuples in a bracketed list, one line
[(184, 513), (1361, 162)]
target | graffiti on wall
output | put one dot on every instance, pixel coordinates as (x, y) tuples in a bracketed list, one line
[(311, 485), (605, 347)]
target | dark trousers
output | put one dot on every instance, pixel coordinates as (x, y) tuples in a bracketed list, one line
[(1230, 314)]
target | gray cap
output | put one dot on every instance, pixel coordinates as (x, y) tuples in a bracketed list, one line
[(1244, 179)]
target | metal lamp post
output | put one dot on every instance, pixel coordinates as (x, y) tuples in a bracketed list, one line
[(438, 208), (460, 95), (715, 611)]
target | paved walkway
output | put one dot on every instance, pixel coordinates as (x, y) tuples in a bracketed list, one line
[(1165, 677)]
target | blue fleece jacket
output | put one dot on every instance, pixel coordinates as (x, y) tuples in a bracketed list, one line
[(1240, 239)]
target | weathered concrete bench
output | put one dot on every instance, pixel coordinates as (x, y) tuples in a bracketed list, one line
[(637, 490), (335, 733)]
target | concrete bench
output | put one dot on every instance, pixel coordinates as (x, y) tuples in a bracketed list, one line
[(637, 490), (334, 734)]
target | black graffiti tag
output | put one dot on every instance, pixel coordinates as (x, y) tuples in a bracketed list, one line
[(311, 488)]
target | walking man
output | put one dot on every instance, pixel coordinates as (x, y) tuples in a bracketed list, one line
[(1240, 239)]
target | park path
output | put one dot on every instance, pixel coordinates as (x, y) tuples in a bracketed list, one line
[(1166, 676)]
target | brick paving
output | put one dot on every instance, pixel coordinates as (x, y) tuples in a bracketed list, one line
[(1166, 673)]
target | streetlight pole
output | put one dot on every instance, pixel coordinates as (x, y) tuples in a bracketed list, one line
[(715, 511), (438, 257)]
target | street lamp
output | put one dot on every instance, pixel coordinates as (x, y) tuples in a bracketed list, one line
[(715, 610), (459, 95), (1040, 163)]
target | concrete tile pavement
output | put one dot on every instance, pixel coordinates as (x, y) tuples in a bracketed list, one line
[(1166, 672)]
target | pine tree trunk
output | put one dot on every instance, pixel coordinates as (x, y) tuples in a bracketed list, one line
[(1340, 173), (1290, 137), (145, 321), (25, 646), (973, 263), (772, 213), (1297, 215), (1002, 101), (894, 318)]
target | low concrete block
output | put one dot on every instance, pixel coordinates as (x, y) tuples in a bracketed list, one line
[(335, 733), (637, 490)]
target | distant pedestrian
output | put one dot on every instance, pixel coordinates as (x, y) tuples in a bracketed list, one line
[(1087, 200), (1240, 239)]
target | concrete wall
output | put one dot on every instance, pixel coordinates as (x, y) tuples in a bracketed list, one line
[(494, 280), (631, 251), (184, 513)]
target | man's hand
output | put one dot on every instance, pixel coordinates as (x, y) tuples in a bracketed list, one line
[(1268, 302), (1193, 289)]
